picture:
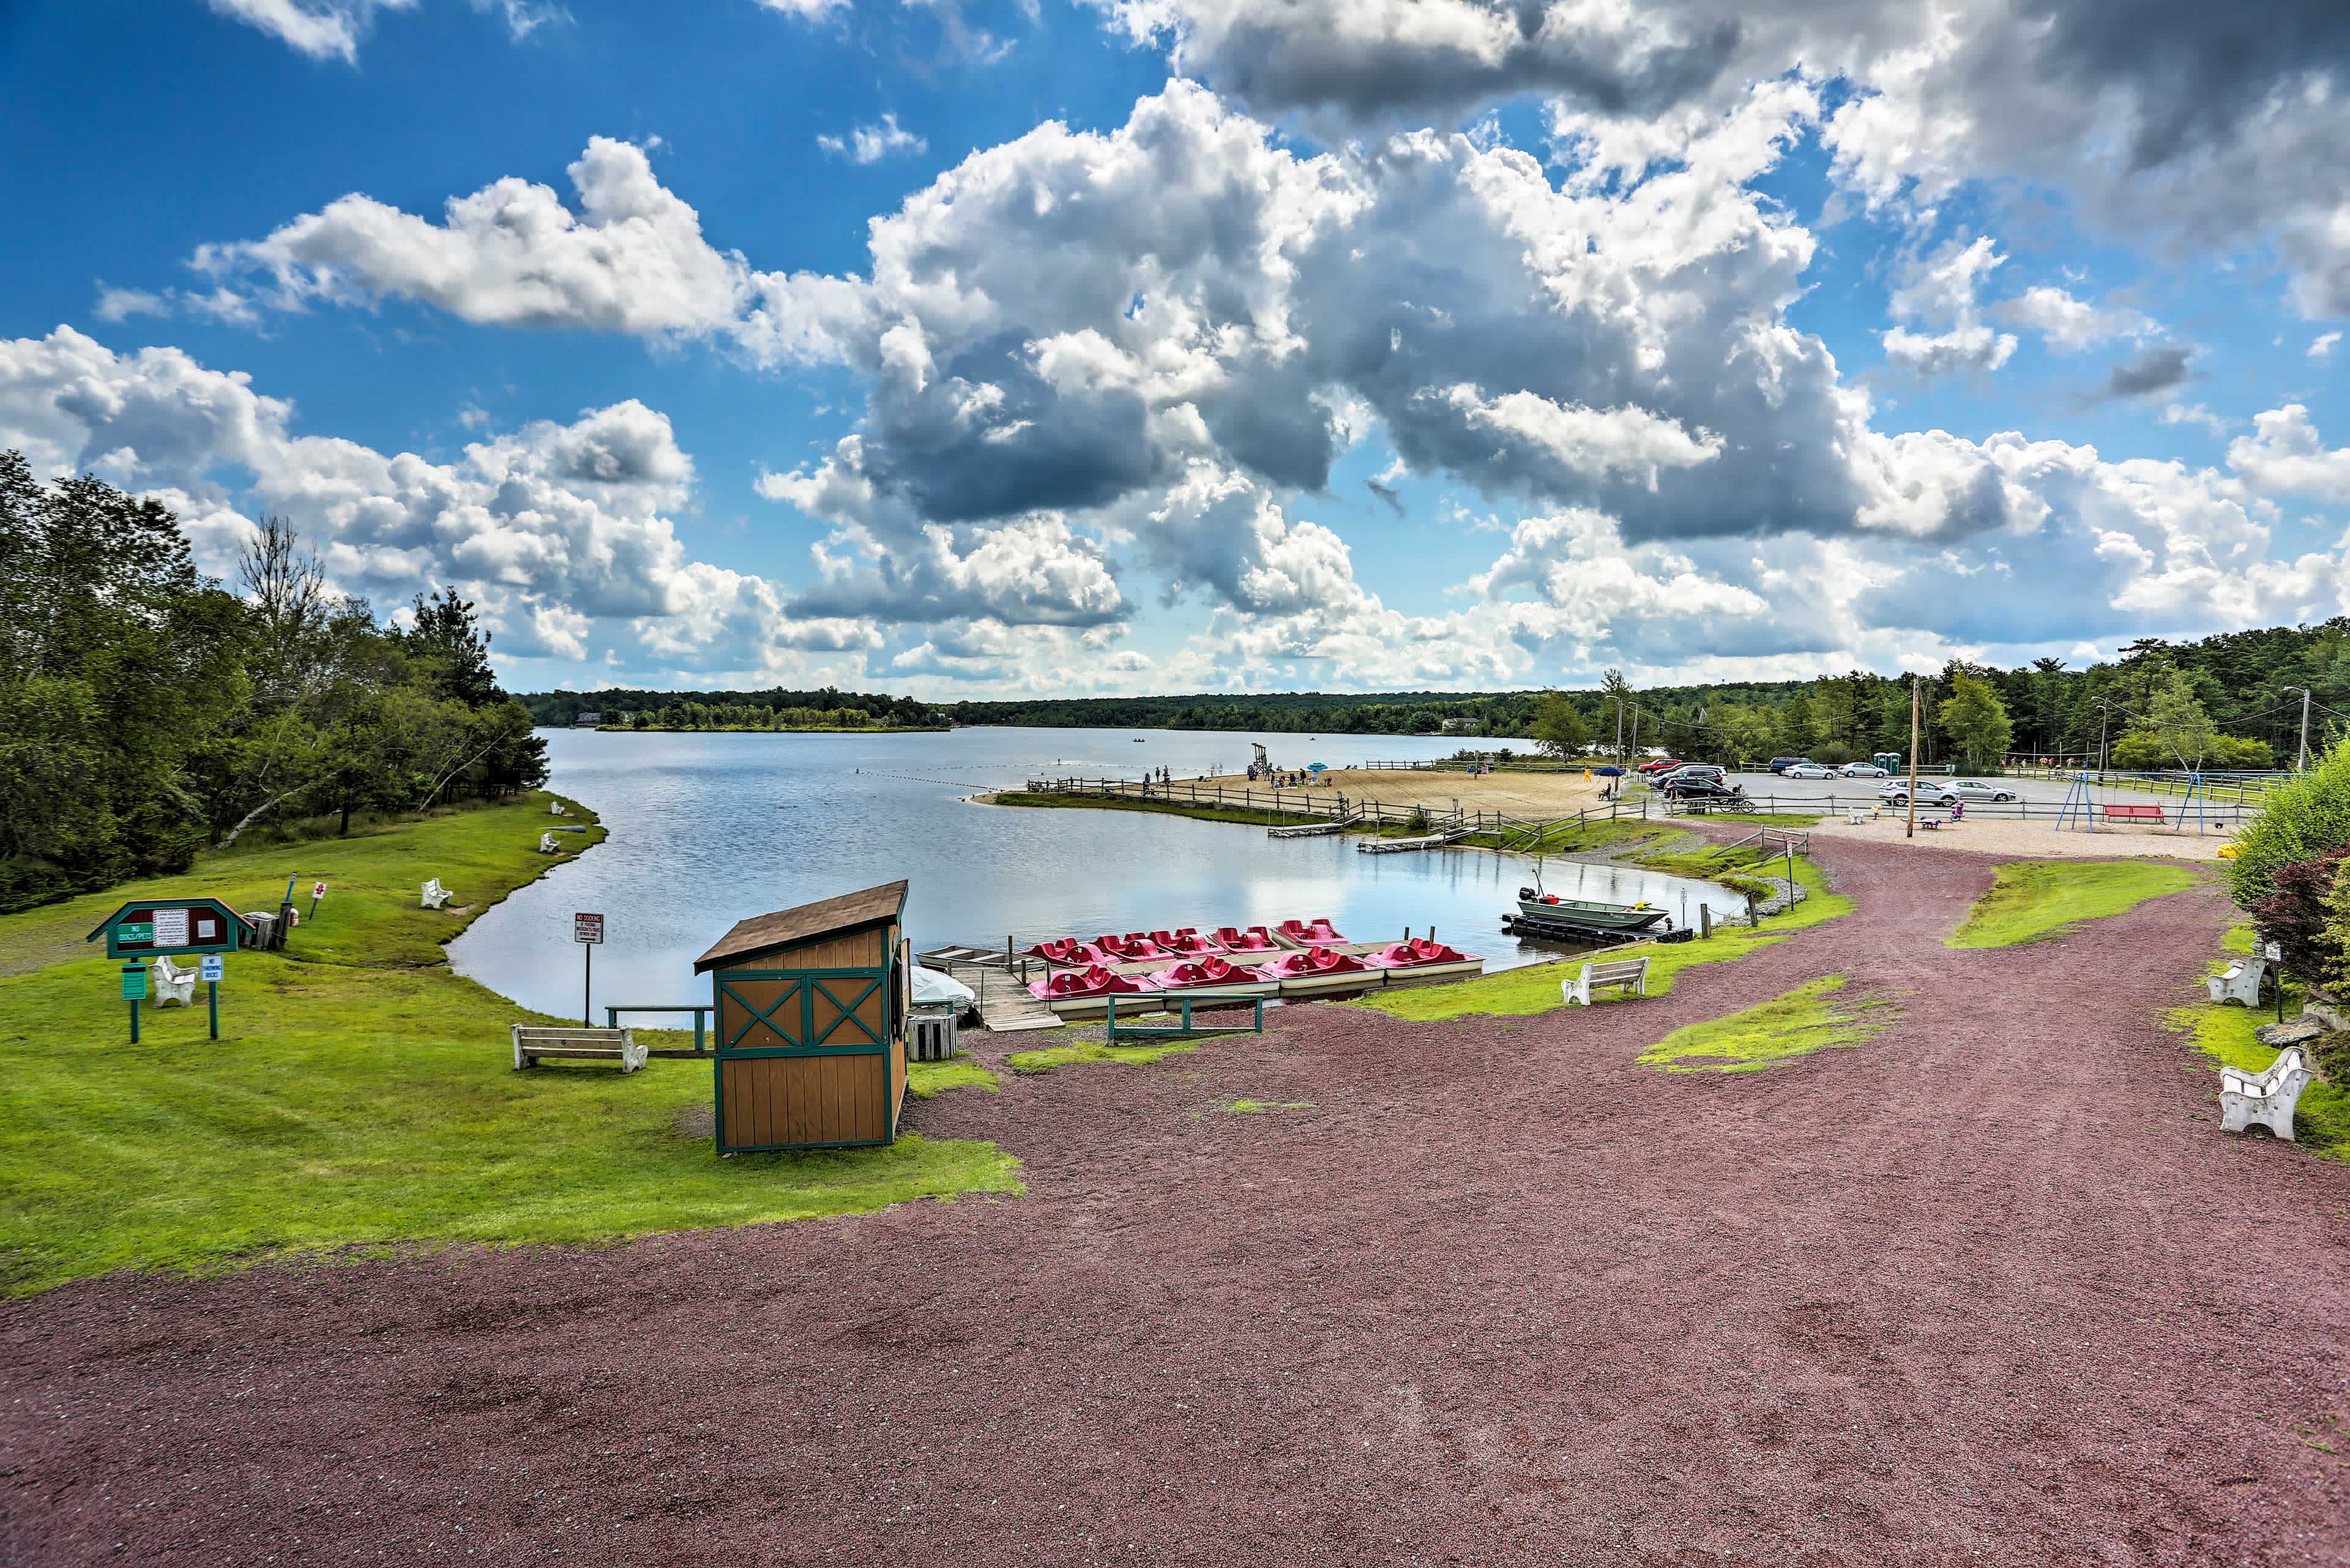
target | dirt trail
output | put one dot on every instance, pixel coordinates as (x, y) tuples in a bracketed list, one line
[(1975, 1291)]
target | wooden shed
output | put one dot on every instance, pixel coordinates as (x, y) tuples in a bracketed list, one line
[(811, 1010)]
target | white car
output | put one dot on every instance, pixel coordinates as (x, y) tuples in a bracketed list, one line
[(1897, 793), (1975, 789), (1808, 771), (1860, 771)]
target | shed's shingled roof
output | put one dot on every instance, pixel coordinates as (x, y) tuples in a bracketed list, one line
[(846, 912)]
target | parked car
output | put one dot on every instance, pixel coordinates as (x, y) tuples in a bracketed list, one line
[(1687, 771), (1860, 771), (1658, 765), (1705, 789), (1975, 789), (1897, 793), (1781, 764), (1807, 771)]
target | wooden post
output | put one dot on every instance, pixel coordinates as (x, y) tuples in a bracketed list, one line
[(1705, 920), (1910, 831)]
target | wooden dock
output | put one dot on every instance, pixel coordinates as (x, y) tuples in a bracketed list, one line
[(1313, 829), (1000, 983), (1398, 845)]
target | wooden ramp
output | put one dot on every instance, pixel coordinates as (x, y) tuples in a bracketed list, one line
[(1000, 985)]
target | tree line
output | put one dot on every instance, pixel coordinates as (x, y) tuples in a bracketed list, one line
[(147, 711), (829, 708), (695, 715)]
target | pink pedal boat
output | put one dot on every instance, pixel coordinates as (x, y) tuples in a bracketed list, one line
[(1131, 948), (1214, 974), (1246, 940), (1423, 959), (1186, 942), (1086, 990), (1067, 950), (1320, 933), (1319, 969)]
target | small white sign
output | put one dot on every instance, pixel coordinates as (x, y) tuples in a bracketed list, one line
[(171, 928), (2275, 952), (587, 928), (212, 967), (317, 891)]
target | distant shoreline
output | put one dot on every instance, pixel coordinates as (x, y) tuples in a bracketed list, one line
[(771, 729)]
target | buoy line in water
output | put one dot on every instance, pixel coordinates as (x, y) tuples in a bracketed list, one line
[(919, 778)]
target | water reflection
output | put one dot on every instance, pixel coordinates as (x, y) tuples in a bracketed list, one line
[(707, 829)]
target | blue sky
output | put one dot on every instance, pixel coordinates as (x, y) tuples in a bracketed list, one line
[(1301, 355)]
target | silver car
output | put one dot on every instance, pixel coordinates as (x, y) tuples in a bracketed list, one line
[(1809, 771), (1897, 793), (1860, 771), (1975, 789)]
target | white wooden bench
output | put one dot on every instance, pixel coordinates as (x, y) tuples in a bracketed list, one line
[(547, 845), (532, 1041), (555, 808), (2242, 980), (436, 895), (173, 983), (2263, 1099), (1624, 975)]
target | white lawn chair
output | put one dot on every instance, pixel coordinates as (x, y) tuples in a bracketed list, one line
[(174, 986), (555, 808), (435, 896), (548, 846)]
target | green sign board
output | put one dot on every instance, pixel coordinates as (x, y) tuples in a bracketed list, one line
[(178, 925), (134, 982)]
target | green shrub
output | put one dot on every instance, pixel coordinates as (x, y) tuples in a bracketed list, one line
[(2299, 819)]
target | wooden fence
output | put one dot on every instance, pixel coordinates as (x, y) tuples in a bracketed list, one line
[(1333, 804)]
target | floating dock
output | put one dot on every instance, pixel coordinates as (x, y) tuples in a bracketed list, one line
[(1398, 845), (1312, 829)]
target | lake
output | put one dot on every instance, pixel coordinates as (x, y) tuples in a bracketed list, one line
[(709, 828)]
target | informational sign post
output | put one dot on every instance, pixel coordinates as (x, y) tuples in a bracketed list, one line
[(317, 891), (134, 991), (587, 930), (211, 968)]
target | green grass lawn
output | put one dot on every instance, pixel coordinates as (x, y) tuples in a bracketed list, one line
[(1814, 1016), (1535, 989), (1051, 1056), (362, 1092), (2033, 901)]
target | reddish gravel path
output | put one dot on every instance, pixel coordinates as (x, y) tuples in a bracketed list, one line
[(1969, 1294)]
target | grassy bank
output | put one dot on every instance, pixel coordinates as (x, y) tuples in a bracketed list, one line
[(1815, 1016), (2034, 901), (362, 1092), (1535, 989)]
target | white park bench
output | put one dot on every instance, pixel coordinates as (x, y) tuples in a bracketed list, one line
[(547, 845), (2242, 980), (532, 1041), (555, 808), (1624, 975), (173, 983), (436, 895), (2263, 1099)]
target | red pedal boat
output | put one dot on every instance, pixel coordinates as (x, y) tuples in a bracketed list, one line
[(1215, 975), (1320, 933), (1246, 940)]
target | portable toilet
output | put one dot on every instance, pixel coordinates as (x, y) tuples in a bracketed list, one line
[(1889, 761), (810, 1005)]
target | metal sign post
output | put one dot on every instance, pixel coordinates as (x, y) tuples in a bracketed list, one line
[(134, 991), (211, 968), (2275, 954), (587, 930)]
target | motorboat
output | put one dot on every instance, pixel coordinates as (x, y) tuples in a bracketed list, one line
[(1320, 933), (1538, 905)]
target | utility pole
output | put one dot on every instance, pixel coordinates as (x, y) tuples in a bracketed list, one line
[(2105, 712), (1911, 830), (2302, 765)]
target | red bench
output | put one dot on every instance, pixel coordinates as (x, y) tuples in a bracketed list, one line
[(2134, 813)]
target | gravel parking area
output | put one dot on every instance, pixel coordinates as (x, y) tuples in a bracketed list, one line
[(1988, 1289)]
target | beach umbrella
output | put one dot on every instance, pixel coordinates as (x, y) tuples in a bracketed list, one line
[(1318, 767), (1610, 771)]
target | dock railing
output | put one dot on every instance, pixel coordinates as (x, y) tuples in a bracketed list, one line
[(1333, 805)]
